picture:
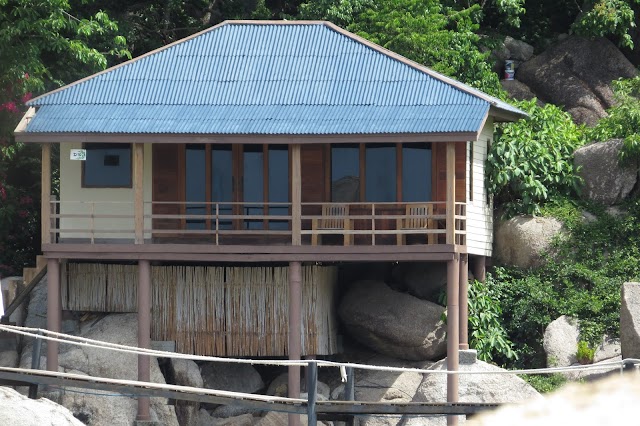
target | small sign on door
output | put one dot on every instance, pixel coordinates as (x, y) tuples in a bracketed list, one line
[(79, 154)]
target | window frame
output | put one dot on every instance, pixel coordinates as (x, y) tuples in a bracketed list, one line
[(88, 146)]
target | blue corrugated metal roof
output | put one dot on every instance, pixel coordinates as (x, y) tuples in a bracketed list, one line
[(257, 78)]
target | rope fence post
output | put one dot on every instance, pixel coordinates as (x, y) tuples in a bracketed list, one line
[(312, 392), (35, 364)]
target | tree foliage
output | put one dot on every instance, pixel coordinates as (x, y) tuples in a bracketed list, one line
[(42, 45), (623, 120), (531, 161)]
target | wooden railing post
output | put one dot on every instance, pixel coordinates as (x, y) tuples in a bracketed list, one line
[(45, 194), (296, 196), (451, 192), (138, 184)]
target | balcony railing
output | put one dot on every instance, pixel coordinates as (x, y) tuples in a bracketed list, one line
[(257, 223)]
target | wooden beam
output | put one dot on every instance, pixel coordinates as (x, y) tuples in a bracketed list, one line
[(464, 301), (296, 196), (453, 337), (138, 184), (144, 334), (54, 310), (45, 194), (295, 334), (451, 192)]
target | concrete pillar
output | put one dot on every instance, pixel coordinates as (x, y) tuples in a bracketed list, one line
[(295, 330), (54, 310), (453, 338), (464, 301), (144, 333)]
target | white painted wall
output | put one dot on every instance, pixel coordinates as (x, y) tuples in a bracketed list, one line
[(75, 200), (479, 210)]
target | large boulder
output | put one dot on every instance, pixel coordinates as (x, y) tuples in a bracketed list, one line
[(392, 323), (630, 320), (612, 401), (231, 377), (17, 409), (185, 372), (491, 388), (577, 74), (387, 387), (93, 408), (421, 279), (521, 240), (518, 50), (518, 90), (561, 342), (605, 180)]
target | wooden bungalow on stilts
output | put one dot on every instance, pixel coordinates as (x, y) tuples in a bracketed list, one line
[(234, 167)]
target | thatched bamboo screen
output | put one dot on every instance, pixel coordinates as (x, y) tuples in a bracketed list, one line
[(226, 311)]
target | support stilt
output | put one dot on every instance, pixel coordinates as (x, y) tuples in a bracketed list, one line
[(144, 333), (295, 329), (464, 301), (54, 310), (453, 338)]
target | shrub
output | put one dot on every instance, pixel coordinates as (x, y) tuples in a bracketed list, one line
[(585, 353), (545, 383), (531, 161)]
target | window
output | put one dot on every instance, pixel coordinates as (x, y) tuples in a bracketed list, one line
[(380, 176), (383, 172), (416, 172), (108, 165)]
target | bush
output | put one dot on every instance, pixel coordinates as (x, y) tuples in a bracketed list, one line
[(545, 383), (531, 161), (623, 120), (585, 353), (583, 281)]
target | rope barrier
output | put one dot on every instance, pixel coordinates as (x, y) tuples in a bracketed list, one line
[(86, 342)]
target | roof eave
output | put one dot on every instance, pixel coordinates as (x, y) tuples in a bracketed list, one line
[(504, 115), (77, 137)]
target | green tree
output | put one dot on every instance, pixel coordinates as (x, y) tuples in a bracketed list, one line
[(425, 31), (42, 45), (531, 161)]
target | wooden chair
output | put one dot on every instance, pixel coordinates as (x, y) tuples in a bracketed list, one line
[(417, 216), (334, 217)]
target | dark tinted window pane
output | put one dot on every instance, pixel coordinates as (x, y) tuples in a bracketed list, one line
[(253, 190), (380, 182), (195, 184), (416, 172), (345, 173), (222, 183), (278, 184), (107, 165)]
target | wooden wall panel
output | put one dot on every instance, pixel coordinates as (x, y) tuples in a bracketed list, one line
[(166, 183), (312, 158), (439, 158)]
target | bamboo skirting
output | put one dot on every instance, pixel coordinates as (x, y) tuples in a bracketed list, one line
[(223, 311)]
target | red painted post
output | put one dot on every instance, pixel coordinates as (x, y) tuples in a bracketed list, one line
[(144, 333), (295, 330), (54, 310)]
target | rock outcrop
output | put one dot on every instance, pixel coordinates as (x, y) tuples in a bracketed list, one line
[(521, 240), (421, 279), (392, 323), (17, 409), (99, 410), (503, 388), (577, 73), (630, 320), (606, 181), (561, 342), (186, 373), (231, 377), (612, 401)]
